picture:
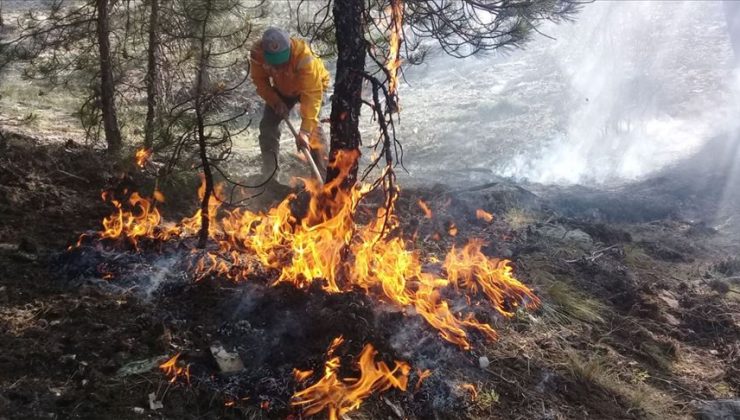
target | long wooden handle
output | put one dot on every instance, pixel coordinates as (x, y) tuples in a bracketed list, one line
[(306, 153)]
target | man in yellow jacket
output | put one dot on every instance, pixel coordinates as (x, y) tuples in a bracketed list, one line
[(285, 71)]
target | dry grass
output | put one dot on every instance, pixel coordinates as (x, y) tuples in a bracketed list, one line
[(29, 105), (567, 305), (630, 386), (519, 218)]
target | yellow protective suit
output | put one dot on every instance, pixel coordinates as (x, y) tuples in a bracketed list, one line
[(303, 76)]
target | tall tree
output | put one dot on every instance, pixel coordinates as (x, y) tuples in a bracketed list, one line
[(68, 43), (107, 89), (152, 70), (347, 99), (208, 40)]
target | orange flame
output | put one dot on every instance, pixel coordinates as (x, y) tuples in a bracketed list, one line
[(484, 215), (142, 222), (423, 374), (171, 369), (142, 156), (425, 208), (472, 390), (326, 246), (302, 375), (341, 395), (394, 48)]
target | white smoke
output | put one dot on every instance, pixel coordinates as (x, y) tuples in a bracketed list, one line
[(627, 89)]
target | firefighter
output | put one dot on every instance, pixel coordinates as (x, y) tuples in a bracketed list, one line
[(286, 72)]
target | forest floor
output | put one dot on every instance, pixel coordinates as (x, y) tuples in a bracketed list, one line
[(639, 318)]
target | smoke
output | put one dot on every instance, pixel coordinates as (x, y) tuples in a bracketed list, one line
[(627, 89)]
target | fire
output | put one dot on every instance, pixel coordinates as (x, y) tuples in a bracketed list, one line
[(327, 246), (302, 375), (423, 374), (142, 156), (425, 208), (472, 390), (481, 214), (470, 269), (394, 49), (171, 369), (341, 395), (141, 222)]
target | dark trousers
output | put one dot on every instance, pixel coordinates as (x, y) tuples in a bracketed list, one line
[(269, 139)]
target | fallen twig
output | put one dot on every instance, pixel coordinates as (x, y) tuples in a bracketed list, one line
[(594, 255), (77, 177)]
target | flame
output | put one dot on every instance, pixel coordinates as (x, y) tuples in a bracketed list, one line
[(341, 395), (142, 156), (326, 246), (171, 369), (302, 375), (452, 229), (472, 390), (423, 374), (425, 208), (470, 269), (141, 222), (394, 49), (481, 214)]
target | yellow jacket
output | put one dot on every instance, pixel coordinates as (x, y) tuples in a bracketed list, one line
[(304, 76)]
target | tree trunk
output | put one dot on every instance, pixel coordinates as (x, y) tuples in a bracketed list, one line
[(107, 90), (151, 74), (345, 105), (200, 122)]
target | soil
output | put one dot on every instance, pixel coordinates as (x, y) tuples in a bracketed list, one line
[(640, 315)]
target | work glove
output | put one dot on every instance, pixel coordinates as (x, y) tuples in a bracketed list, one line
[(301, 140), (281, 109)]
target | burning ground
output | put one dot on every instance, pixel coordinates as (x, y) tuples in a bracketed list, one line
[(627, 318)]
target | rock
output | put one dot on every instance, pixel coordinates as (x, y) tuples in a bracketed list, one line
[(227, 362), (719, 410), (154, 403), (483, 362), (138, 410)]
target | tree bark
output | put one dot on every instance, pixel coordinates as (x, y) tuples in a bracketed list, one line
[(347, 99), (200, 123), (107, 90), (152, 95)]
